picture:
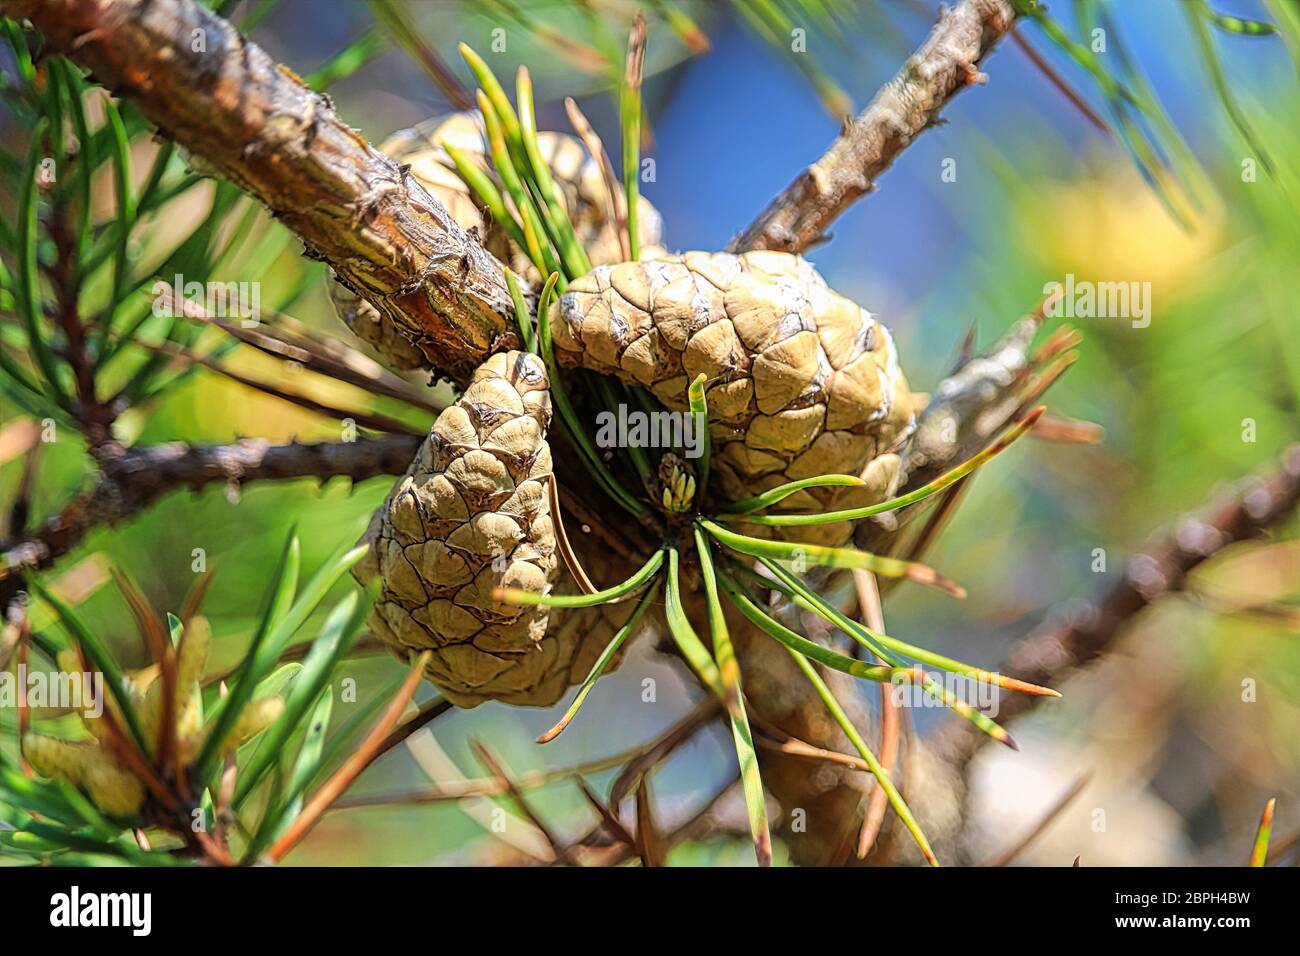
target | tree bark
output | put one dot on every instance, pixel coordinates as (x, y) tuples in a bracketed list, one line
[(906, 106), (254, 122)]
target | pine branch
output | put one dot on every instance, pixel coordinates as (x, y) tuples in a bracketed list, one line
[(910, 103), (136, 478), (254, 122), (1050, 655)]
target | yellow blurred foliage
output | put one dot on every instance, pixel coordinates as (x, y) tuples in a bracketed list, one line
[(1113, 227)]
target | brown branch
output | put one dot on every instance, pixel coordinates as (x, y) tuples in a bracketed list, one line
[(427, 713), (660, 749), (254, 122), (945, 64), (495, 766), (1050, 655), (136, 478)]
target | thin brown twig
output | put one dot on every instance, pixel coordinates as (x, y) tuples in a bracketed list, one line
[(873, 615), (660, 749), (283, 343), (134, 479), (938, 520), (649, 843), (351, 768), (1004, 857), (95, 417), (491, 786), (497, 768), (617, 199), (1060, 83), (426, 57), (607, 815), (428, 712), (380, 423), (562, 540), (635, 761)]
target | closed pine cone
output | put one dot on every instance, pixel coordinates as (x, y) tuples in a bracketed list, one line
[(800, 381), (470, 515)]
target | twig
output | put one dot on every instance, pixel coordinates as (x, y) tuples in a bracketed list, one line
[(649, 842), (607, 815), (1059, 648), (617, 200), (361, 758), (562, 540), (138, 477), (658, 750), (873, 615), (427, 714), (489, 786), (946, 63), (380, 423), (1060, 83), (1054, 811), (497, 768), (408, 38), (285, 340)]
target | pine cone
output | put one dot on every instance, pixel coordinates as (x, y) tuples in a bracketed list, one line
[(581, 186), (800, 380), (470, 515)]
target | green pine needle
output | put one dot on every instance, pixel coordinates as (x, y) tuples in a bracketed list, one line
[(602, 663), (607, 596), (830, 557), (590, 456), (630, 132), (526, 333), (679, 625), (882, 775), (1015, 432), (699, 406)]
